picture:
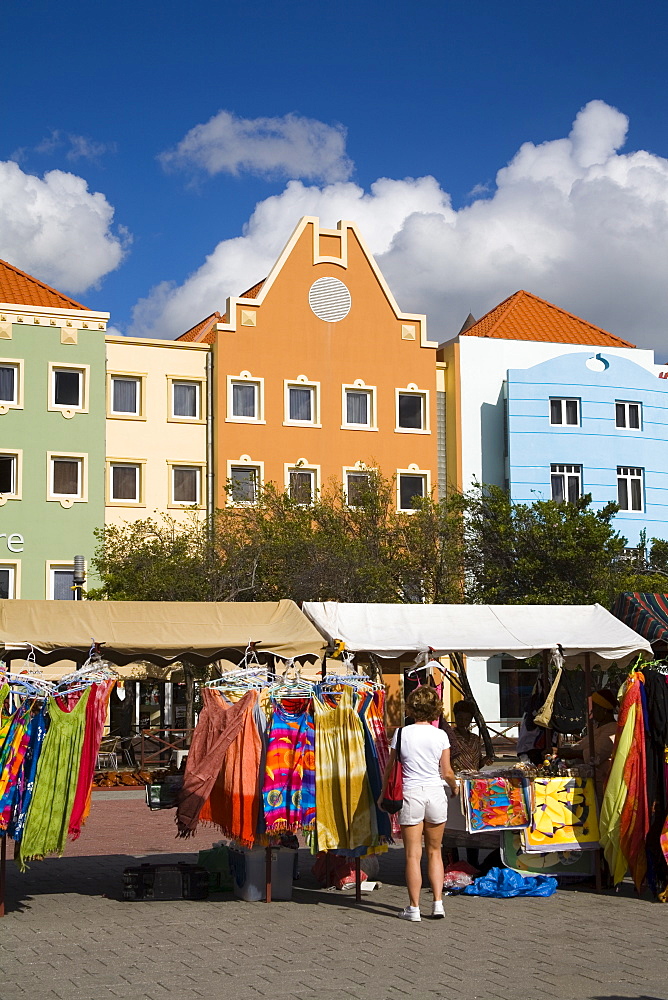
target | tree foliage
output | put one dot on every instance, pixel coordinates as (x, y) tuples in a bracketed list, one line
[(476, 547)]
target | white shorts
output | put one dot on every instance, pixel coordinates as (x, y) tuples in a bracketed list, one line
[(424, 802)]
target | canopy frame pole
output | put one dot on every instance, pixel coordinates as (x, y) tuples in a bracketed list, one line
[(598, 875), (3, 874)]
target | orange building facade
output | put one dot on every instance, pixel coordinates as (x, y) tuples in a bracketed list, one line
[(318, 376)]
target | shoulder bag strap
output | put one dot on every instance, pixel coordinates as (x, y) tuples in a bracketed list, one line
[(398, 746)]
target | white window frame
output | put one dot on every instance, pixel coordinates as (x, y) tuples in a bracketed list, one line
[(302, 382), (140, 378), (14, 567), (303, 465), (17, 492), (67, 499), (63, 564), (563, 400), (240, 379), (200, 467), (84, 372), (18, 366), (201, 399), (566, 470), (359, 469), (359, 386), (626, 426), (629, 473), (412, 390), (412, 470), (135, 463), (244, 460)]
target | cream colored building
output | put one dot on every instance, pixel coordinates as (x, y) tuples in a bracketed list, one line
[(156, 451)]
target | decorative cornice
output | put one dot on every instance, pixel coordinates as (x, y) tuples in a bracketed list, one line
[(78, 319)]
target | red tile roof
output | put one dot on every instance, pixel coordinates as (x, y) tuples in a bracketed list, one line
[(203, 332), (19, 288), (524, 316), (253, 292)]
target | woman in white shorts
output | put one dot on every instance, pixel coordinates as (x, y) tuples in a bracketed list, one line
[(425, 765)]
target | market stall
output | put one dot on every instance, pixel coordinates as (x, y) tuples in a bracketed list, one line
[(647, 614), (391, 631), (51, 726)]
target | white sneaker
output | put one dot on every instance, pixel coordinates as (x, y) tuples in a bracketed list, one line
[(410, 913), (437, 911)]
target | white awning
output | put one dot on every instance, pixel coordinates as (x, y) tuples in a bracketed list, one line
[(519, 630)]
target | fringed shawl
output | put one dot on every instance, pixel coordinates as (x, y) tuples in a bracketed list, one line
[(233, 805), (218, 728)]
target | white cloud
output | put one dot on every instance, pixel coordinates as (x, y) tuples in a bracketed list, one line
[(56, 229), (572, 220), (75, 147), (292, 146)]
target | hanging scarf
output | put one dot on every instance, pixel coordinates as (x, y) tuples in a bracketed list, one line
[(55, 782), (233, 805), (615, 795), (366, 711), (96, 714), (12, 761), (288, 791), (343, 796), (634, 820), (217, 729), (23, 791)]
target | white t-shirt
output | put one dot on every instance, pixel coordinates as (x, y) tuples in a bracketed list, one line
[(421, 749)]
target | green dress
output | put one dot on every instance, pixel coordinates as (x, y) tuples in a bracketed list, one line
[(55, 782)]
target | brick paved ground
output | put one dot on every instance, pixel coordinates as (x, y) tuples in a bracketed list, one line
[(69, 936)]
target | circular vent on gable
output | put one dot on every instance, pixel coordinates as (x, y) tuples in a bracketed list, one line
[(329, 299)]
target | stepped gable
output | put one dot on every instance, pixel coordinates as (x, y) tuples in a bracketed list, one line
[(524, 316), (204, 332), (19, 288)]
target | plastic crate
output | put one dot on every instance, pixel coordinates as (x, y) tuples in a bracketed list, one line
[(151, 882)]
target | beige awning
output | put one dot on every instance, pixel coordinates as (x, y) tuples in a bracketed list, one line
[(158, 632)]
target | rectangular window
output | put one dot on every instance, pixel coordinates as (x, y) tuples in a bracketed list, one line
[(245, 400), (566, 483), (300, 404), (565, 412), (411, 486), (358, 407), (126, 396), (410, 411), (302, 485), (357, 486), (125, 482), (186, 484), (7, 583), (628, 415), (68, 388), (66, 477), (62, 584), (9, 383), (244, 481), (186, 400), (629, 488), (8, 474)]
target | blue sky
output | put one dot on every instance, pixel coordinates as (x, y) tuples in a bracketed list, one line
[(108, 193)]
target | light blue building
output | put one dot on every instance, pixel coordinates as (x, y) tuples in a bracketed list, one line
[(591, 423)]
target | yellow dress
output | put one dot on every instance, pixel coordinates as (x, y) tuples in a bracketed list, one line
[(342, 792), (613, 802)]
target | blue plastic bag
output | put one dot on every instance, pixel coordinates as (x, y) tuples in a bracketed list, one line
[(505, 882)]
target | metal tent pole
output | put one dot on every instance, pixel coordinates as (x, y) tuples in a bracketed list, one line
[(592, 755)]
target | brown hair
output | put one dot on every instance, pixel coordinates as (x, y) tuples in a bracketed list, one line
[(423, 704)]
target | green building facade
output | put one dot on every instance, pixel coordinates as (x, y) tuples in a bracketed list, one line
[(52, 437)]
